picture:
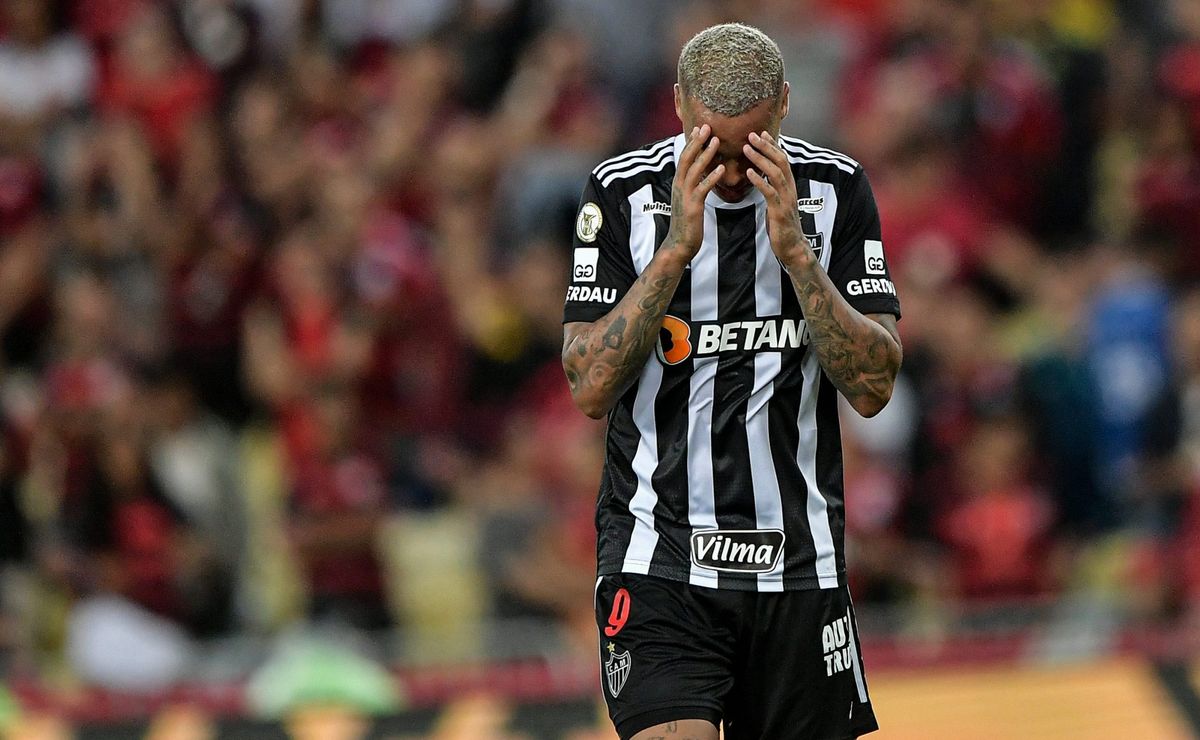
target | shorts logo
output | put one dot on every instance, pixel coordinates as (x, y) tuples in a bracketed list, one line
[(738, 550), (811, 205), (673, 344), (616, 670), (873, 254), (587, 224), (585, 264), (835, 644)]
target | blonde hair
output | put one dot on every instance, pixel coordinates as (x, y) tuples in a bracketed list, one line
[(730, 68)]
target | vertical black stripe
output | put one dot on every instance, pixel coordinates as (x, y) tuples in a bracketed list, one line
[(829, 465), (670, 479), (733, 487), (618, 484), (785, 435)]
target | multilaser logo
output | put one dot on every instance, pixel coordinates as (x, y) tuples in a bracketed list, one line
[(679, 340)]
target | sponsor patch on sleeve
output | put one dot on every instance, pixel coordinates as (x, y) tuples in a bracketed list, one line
[(873, 253), (585, 264), (589, 294), (871, 286)]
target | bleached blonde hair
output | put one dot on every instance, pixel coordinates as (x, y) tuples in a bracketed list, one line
[(730, 68)]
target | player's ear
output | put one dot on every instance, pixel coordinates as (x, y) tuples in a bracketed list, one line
[(679, 104), (783, 101)]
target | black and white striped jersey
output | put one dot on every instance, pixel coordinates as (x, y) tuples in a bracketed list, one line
[(724, 461)]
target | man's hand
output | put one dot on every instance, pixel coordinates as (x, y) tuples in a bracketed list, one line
[(688, 191), (772, 175)]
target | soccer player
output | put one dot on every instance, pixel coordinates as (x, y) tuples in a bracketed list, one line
[(728, 283)]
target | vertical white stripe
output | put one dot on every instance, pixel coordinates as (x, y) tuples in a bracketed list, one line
[(641, 228), (596, 607), (644, 538), (768, 301), (854, 659), (702, 512), (806, 452), (806, 459)]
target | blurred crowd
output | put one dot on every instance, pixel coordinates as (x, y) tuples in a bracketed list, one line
[(281, 286)]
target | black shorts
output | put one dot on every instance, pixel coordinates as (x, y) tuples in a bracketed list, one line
[(770, 666)]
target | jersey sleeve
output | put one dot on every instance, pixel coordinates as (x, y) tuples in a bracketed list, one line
[(857, 264), (601, 266)]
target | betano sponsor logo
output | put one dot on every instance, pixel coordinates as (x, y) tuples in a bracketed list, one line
[(673, 340), (680, 340), (738, 550)]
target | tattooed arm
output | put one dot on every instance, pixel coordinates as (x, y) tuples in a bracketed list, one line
[(603, 358), (860, 354)]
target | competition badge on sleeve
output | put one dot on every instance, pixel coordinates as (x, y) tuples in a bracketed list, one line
[(587, 224)]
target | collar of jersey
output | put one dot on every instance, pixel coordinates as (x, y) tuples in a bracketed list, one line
[(712, 200)]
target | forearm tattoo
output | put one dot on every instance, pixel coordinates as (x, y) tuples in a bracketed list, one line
[(859, 354), (604, 359)]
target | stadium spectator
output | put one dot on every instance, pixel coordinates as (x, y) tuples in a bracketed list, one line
[(153, 79), (998, 524), (43, 72)]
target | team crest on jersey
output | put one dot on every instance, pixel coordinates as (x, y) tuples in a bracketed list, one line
[(587, 224), (616, 669), (815, 241)]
